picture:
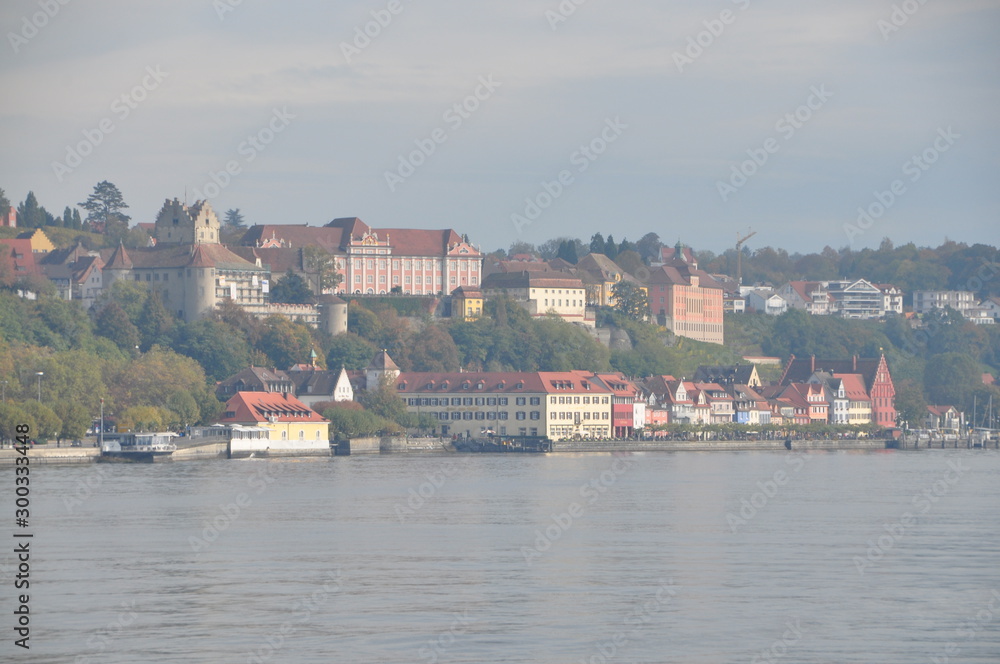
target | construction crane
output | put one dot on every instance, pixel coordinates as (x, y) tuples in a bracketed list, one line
[(739, 253)]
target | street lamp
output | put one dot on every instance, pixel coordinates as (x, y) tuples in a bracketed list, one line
[(100, 435), (39, 374)]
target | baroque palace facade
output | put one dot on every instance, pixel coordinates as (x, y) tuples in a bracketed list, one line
[(375, 261)]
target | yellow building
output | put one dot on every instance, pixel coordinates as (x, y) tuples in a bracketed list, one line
[(292, 427), (466, 303)]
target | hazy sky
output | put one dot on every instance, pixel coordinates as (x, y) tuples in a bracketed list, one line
[(668, 98)]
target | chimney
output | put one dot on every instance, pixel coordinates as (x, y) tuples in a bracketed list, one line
[(854, 364), (812, 363)]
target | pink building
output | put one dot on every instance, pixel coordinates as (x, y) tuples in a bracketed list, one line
[(376, 261)]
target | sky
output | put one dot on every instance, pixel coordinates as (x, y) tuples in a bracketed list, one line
[(811, 123)]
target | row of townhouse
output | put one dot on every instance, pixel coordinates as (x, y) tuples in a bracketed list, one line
[(559, 405), (811, 391)]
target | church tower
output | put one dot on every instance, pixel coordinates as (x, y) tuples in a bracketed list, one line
[(179, 223)]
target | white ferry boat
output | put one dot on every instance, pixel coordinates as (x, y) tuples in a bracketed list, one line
[(140, 447)]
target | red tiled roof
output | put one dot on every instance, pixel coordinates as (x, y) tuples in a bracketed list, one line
[(939, 410), (506, 382), (524, 279), (259, 407), (854, 386)]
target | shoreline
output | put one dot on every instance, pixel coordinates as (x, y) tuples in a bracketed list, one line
[(78, 455)]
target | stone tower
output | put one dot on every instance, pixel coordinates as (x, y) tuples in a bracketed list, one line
[(179, 223), (332, 314)]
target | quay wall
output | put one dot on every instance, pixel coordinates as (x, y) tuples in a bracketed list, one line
[(577, 446), (52, 455)]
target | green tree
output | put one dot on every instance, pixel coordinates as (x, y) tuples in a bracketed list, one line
[(363, 322), (184, 406), (433, 349), (48, 423), (567, 252), (129, 295), (234, 223), (320, 265), (384, 401), (75, 419), (155, 322), (350, 420), (285, 343), (649, 246), (29, 213), (291, 289), (145, 418), (105, 210), (220, 349), (350, 351), (113, 323), (910, 401), (4, 203), (597, 244), (610, 247), (951, 379), (11, 416), (630, 300)]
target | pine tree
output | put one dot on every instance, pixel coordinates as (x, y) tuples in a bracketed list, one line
[(105, 210), (610, 248), (597, 244), (30, 214)]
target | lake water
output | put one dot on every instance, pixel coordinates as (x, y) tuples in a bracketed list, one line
[(836, 557)]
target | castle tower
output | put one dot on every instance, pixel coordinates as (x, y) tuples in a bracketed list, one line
[(119, 267), (332, 314), (178, 223)]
